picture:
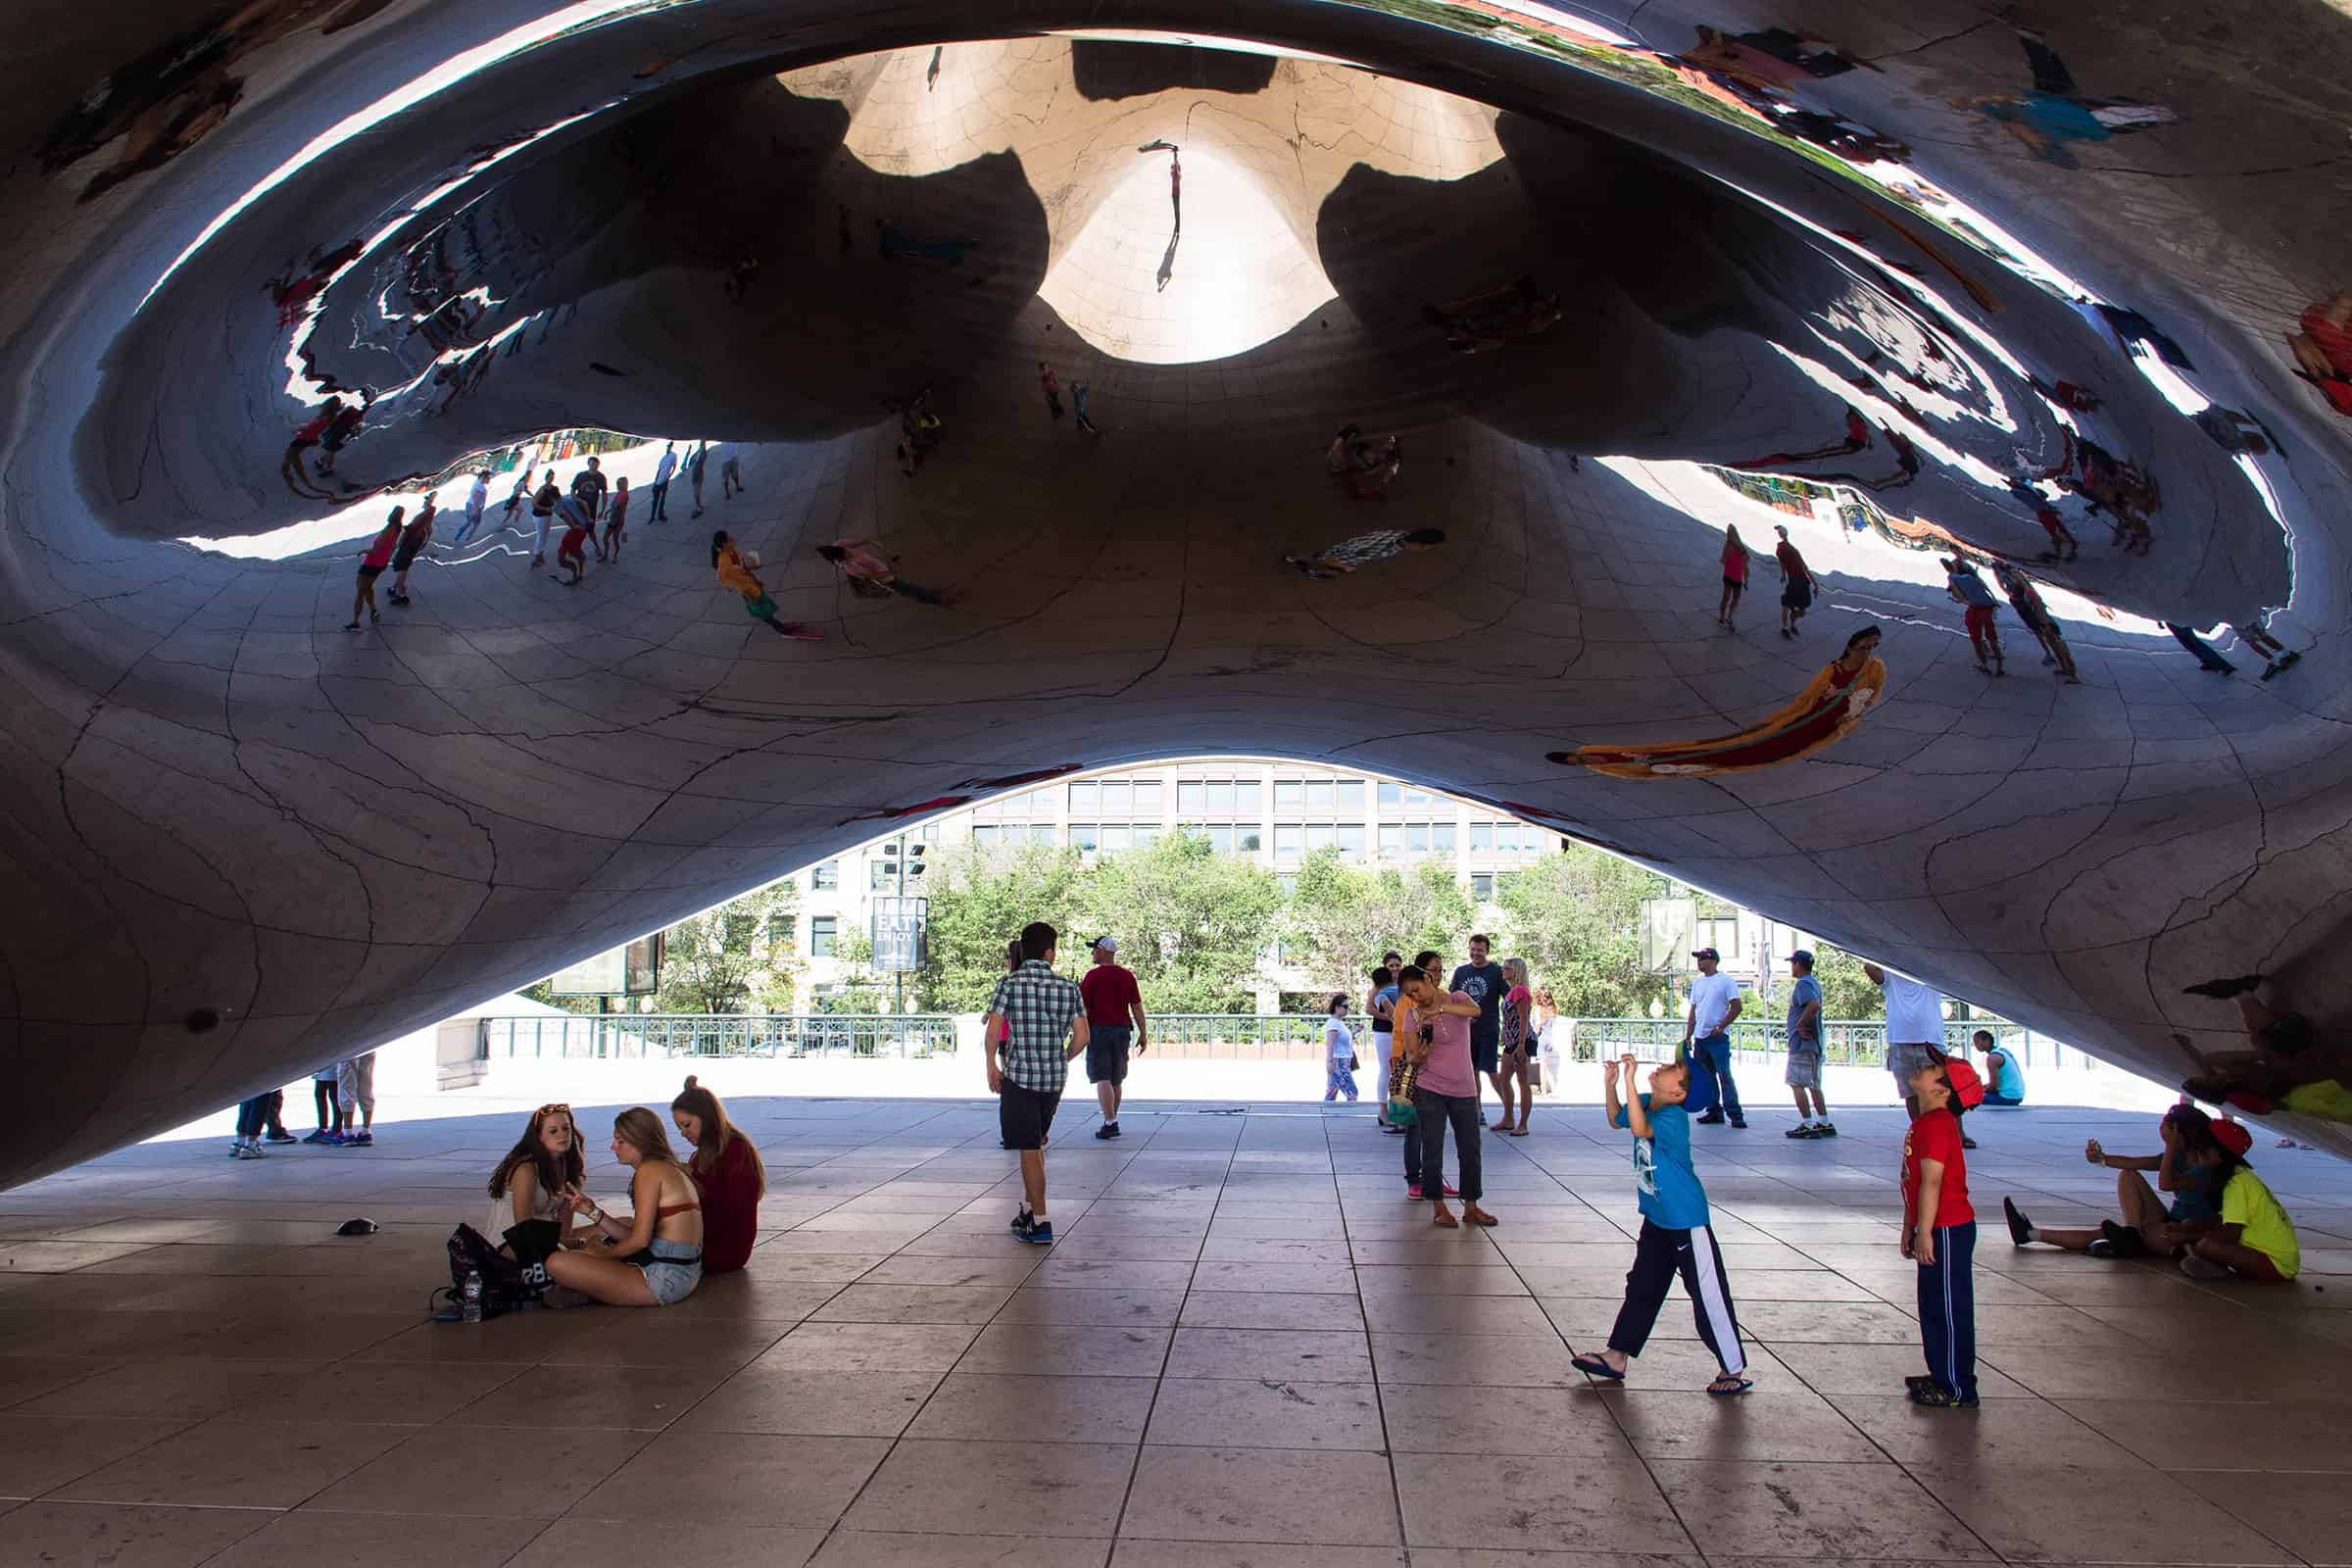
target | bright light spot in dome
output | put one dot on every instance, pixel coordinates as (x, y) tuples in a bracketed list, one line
[(1237, 274)]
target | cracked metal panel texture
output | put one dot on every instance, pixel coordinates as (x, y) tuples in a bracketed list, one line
[(1589, 293)]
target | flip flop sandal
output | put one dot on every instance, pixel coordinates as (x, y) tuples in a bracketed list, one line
[(1518, 1132), (1444, 1220), (1592, 1366), (1739, 1386)]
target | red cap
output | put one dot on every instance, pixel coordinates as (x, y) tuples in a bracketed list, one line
[(2233, 1137), (1967, 1087)]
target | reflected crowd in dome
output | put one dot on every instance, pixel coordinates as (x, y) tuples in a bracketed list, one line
[(1878, 466)]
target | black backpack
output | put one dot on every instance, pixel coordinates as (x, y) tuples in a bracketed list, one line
[(482, 1284)]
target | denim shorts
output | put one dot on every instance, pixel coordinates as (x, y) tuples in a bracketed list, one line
[(675, 1269)]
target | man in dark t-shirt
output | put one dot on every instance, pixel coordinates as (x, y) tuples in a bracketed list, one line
[(1115, 1019), (1481, 980), (543, 514)]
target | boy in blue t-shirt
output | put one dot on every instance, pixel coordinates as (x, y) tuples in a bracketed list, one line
[(1675, 1238)]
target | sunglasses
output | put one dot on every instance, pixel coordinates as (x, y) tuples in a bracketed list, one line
[(550, 1109)]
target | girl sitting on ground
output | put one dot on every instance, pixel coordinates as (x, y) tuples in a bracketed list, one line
[(2255, 1239), (529, 1186), (728, 1174), (2191, 1167), (656, 1258)]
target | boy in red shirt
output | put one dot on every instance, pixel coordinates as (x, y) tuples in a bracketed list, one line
[(1939, 1232)]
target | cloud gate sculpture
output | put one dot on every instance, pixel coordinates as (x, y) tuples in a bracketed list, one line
[(1430, 368)]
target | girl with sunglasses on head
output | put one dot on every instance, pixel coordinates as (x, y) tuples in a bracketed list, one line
[(656, 1258), (529, 1187)]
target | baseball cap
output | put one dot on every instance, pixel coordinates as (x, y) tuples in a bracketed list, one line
[(1107, 943), (1707, 952), (1803, 955), (1967, 1087), (2233, 1137)]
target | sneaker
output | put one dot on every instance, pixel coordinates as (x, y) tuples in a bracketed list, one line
[(364, 1139), (1803, 1129), (1967, 1142), (1022, 1223), (1412, 1190), (1825, 1129), (1107, 1130), (2125, 1241), (1713, 1118), (1937, 1397), (2102, 1247), (2201, 1268), (237, 1150), (1040, 1233), (2021, 1230), (322, 1136), (1740, 1124), (281, 1136), (250, 1151), (1114, 1131)]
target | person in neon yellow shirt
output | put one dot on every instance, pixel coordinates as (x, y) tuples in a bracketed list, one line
[(2255, 1239)]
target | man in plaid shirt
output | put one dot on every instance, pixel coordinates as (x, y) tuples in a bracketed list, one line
[(1034, 1011)]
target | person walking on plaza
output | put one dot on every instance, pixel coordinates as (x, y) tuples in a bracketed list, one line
[(1032, 1012), (1715, 1004), (478, 501), (1914, 1026), (1516, 1047), (1734, 577), (696, 466), (1339, 1052), (1404, 1076), (1114, 1021), (730, 471), (1939, 1232), (1380, 1003), (1805, 1050), (355, 1095), (1444, 1091), (1482, 981), (658, 499), (1676, 1237)]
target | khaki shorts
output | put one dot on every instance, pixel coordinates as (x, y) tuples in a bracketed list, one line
[(355, 1082)]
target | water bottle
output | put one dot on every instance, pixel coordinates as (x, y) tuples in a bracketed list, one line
[(471, 1299)]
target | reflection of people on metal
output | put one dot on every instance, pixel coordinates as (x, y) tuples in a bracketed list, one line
[(1351, 555), (293, 468), (735, 571), (1486, 322), (2322, 348), (2260, 642), (2027, 601), (292, 292), (1773, 56), (2287, 1067), (1832, 704), (2054, 113), (874, 575), (1734, 577), (1796, 582), (2207, 656), (373, 563), (1979, 608), (1167, 263)]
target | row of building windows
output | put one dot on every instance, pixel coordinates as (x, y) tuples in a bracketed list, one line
[(1293, 841), (1203, 798)]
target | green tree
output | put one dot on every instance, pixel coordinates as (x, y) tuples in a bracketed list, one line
[(980, 899), (1193, 924), (861, 989), (1339, 919), (1576, 917), (724, 959), (1845, 990)]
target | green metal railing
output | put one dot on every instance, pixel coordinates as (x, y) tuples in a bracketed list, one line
[(1845, 1042), (625, 1036)]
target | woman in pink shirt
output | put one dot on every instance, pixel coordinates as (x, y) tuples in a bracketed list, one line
[(1734, 576), (1444, 1090), (373, 563)]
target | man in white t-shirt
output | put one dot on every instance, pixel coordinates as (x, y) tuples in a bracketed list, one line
[(1707, 1042), (1914, 1027)]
